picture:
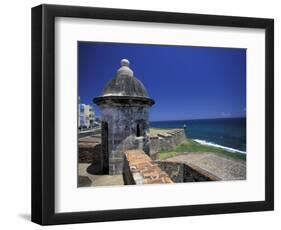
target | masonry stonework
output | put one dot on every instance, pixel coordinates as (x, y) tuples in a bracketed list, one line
[(139, 168), (124, 104), (182, 172), (166, 141), (122, 135)]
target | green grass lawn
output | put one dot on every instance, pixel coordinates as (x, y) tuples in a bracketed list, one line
[(192, 146)]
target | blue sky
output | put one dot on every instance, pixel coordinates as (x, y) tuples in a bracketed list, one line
[(185, 82)]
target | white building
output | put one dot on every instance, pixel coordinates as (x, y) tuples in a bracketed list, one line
[(86, 116)]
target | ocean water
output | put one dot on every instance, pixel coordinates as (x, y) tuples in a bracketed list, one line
[(227, 133)]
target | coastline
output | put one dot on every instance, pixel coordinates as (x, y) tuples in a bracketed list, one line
[(203, 142), (224, 133)]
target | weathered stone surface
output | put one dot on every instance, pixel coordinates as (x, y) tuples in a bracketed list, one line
[(174, 170), (125, 107), (164, 140), (90, 177), (140, 169), (121, 134), (181, 172), (84, 181), (89, 149), (212, 165), (125, 84)]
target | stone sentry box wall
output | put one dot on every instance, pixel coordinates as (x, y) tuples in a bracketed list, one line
[(120, 132), (125, 107)]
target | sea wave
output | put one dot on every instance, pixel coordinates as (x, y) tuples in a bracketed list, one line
[(203, 142)]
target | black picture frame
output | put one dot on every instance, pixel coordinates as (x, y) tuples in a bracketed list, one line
[(43, 114)]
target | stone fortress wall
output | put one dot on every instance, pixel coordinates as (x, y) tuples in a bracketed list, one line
[(180, 172), (165, 140), (90, 147), (141, 168)]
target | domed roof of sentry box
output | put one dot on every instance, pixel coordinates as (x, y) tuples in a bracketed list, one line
[(124, 85)]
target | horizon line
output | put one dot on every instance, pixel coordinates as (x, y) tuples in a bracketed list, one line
[(191, 119)]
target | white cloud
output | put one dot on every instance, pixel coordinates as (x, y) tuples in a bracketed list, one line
[(224, 114)]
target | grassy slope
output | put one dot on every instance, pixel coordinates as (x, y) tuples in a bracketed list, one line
[(193, 146)]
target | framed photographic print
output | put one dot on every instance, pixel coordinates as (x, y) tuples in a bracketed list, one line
[(142, 114)]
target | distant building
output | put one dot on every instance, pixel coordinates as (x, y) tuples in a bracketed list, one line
[(124, 104), (86, 116)]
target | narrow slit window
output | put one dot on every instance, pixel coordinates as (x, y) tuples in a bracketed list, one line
[(138, 130)]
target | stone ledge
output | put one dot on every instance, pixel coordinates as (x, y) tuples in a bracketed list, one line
[(212, 165), (181, 172), (140, 169)]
